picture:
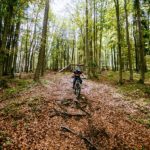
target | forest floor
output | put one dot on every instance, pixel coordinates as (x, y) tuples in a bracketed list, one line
[(47, 116)]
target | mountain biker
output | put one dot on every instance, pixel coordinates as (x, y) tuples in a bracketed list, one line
[(76, 75)]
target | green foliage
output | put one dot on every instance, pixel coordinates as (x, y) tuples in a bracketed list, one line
[(94, 72), (142, 120), (147, 90), (35, 105), (139, 93), (148, 61), (45, 82), (12, 110), (15, 86), (19, 85), (135, 90), (4, 140), (11, 91)]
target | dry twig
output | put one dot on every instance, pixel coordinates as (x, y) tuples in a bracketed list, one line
[(66, 129)]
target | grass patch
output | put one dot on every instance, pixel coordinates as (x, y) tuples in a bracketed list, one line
[(45, 81), (138, 93), (12, 110), (35, 104), (141, 120), (11, 91), (5, 141), (15, 86), (20, 84), (147, 101), (145, 122), (114, 76), (135, 90), (14, 124)]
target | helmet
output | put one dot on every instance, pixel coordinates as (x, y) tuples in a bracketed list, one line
[(78, 69)]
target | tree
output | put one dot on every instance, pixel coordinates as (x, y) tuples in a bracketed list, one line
[(41, 58), (119, 39), (87, 39), (141, 47), (128, 40), (11, 13)]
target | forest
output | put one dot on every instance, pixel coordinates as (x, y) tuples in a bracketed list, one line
[(42, 42)]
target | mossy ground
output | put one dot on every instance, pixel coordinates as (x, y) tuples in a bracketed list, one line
[(14, 87), (132, 91)]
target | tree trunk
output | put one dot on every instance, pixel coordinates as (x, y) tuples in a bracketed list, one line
[(128, 41), (94, 30), (41, 58), (96, 53), (141, 46), (16, 38), (115, 60), (102, 9), (26, 49), (87, 39), (119, 39)]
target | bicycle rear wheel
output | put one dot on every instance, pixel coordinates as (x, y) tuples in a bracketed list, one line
[(77, 92), (77, 88)]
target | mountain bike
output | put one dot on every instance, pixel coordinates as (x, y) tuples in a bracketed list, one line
[(77, 88)]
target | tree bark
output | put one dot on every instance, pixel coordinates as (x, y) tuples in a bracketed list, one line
[(119, 39), (128, 40), (141, 46), (87, 38), (41, 58)]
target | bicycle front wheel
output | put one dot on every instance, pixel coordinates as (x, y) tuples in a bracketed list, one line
[(78, 90)]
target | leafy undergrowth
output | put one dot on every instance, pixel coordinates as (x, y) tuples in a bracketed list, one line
[(48, 116), (133, 92), (15, 86)]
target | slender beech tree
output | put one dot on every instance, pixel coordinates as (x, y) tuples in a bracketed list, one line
[(16, 40), (33, 44), (135, 36), (119, 39), (103, 7), (41, 58), (87, 39), (128, 40), (26, 48), (96, 53), (141, 46)]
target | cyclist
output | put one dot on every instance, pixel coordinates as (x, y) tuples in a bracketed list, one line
[(76, 75)]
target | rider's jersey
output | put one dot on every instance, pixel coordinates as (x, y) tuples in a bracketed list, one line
[(77, 73)]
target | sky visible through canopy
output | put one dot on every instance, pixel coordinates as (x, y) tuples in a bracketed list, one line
[(59, 7)]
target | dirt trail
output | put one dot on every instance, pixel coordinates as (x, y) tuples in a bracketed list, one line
[(48, 117)]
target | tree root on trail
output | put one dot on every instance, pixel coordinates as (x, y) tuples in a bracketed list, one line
[(86, 140), (56, 112), (65, 102), (83, 105), (81, 108)]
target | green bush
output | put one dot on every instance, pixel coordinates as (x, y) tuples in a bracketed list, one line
[(11, 91)]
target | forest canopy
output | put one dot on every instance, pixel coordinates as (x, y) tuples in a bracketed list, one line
[(101, 35)]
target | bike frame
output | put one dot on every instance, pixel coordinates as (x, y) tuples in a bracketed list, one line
[(77, 88)]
